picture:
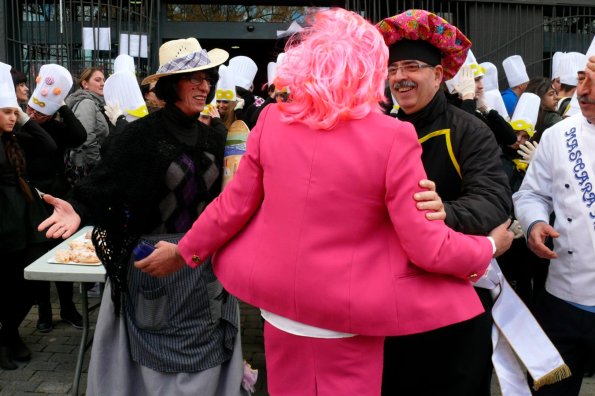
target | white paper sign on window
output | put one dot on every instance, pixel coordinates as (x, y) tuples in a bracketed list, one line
[(134, 45), (97, 39)]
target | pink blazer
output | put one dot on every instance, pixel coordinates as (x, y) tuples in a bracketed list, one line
[(321, 227)]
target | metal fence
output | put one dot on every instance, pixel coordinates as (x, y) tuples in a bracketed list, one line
[(500, 29), (78, 34), (43, 31)]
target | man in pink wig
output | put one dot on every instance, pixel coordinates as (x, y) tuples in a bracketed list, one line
[(462, 157)]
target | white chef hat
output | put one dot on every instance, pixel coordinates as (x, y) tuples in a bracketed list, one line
[(271, 72), (572, 63), (124, 62), (226, 89), (591, 51), (556, 63), (280, 59), (573, 107), (494, 101), (53, 84), (273, 69), (122, 88), (243, 70), (515, 70), (8, 96), (490, 78), (525, 113), (478, 71)]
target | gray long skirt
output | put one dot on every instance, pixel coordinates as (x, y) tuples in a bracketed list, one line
[(112, 371)]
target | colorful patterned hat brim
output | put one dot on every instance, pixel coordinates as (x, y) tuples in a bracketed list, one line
[(423, 25)]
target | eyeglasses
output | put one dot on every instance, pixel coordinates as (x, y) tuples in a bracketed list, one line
[(407, 68), (197, 80)]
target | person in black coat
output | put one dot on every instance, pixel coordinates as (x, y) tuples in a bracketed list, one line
[(22, 209), (461, 155), (47, 173)]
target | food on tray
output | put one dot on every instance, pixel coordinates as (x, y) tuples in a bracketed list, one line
[(63, 256), (84, 256), (85, 244), (88, 234), (80, 251)]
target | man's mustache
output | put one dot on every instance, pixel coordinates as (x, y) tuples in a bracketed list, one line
[(404, 84), (586, 99)]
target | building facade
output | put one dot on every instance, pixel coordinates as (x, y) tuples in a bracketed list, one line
[(82, 33)]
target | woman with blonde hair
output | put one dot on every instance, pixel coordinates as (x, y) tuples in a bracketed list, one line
[(88, 104)]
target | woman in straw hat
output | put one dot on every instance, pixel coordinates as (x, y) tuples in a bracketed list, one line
[(21, 208), (176, 335), (319, 227)]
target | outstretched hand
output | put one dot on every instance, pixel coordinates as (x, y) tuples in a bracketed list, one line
[(63, 222), (536, 242), (164, 260), (430, 200)]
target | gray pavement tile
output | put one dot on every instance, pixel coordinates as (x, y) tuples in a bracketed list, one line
[(42, 366), (51, 369), (20, 374), (54, 387), (21, 386)]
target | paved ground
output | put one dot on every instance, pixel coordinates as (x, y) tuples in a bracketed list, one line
[(50, 371)]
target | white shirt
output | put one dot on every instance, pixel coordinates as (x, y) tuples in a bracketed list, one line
[(561, 178), (300, 329)]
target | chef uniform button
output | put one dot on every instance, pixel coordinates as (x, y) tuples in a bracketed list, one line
[(567, 185), (472, 276), (196, 259), (569, 220), (570, 252)]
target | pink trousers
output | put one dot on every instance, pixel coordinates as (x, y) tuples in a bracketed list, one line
[(306, 366)]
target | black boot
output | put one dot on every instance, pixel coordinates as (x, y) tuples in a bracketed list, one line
[(6, 361), (20, 352), (44, 323)]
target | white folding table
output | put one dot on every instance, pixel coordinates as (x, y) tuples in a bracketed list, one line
[(42, 270)]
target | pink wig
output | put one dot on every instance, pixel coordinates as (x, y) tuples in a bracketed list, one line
[(336, 72)]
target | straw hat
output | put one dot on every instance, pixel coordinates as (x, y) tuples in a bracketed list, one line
[(185, 56)]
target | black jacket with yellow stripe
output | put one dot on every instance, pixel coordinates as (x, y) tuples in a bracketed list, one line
[(461, 156)]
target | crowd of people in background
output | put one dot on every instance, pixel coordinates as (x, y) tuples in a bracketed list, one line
[(394, 165)]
